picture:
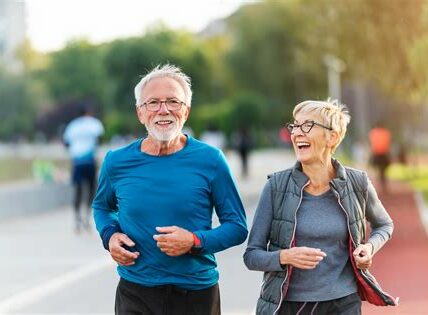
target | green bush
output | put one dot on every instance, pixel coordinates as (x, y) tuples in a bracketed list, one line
[(416, 176)]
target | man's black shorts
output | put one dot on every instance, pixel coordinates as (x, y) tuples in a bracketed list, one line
[(132, 298)]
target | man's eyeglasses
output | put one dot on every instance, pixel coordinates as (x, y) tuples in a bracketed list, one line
[(172, 104), (305, 127)]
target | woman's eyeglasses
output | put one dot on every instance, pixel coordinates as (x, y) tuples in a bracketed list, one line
[(305, 127)]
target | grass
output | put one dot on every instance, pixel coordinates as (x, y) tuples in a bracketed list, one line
[(15, 169), (416, 176), (12, 169)]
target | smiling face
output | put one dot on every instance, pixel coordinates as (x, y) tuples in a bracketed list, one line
[(314, 146), (163, 125)]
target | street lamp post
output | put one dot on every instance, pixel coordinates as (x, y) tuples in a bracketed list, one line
[(334, 66)]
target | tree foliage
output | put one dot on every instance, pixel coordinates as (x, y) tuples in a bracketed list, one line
[(269, 57), (127, 59), (18, 106), (373, 38), (77, 72)]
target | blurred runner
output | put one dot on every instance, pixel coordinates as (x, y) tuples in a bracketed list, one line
[(380, 145), (81, 138)]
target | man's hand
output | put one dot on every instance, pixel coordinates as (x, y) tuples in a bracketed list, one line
[(119, 253), (301, 257), (363, 256), (174, 241)]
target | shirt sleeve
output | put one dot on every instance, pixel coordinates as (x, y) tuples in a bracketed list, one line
[(380, 222), (256, 256), (229, 209), (105, 206), (100, 129)]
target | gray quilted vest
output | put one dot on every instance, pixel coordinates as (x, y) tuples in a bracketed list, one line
[(350, 187)]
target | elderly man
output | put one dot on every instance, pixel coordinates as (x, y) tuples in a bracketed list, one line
[(154, 206)]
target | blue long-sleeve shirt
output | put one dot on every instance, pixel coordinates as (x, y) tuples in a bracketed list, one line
[(138, 192)]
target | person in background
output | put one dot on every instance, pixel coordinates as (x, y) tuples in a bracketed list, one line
[(154, 206), (309, 230), (81, 138), (243, 143), (214, 136), (285, 137), (380, 144)]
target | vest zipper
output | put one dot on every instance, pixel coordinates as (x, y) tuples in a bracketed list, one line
[(289, 246), (363, 274), (347, 216)]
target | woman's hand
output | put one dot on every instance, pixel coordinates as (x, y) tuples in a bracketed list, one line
[(301, 257), (363, 256)]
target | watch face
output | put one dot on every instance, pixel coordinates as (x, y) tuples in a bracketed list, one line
[(196, 250)]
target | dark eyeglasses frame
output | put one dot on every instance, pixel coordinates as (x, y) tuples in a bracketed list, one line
[(159, 105), (308, 126)]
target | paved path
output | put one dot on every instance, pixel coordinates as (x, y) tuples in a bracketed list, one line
[(47, 269), (402, 265)]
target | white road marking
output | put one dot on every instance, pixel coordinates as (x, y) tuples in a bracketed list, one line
[(423, 209), (40, 291)]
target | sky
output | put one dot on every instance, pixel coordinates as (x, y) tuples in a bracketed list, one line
[(50, 23)]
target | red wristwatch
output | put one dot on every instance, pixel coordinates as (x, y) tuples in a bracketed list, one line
[(197, 246)]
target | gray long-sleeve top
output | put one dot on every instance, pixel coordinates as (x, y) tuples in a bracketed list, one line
[(256, 256)]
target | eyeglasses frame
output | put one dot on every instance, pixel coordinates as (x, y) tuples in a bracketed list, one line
[(291, 126), (164, 102)]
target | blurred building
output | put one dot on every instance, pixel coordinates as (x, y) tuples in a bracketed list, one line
[(12, 32)]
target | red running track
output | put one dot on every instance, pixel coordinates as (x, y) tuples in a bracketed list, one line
[(401, 266)]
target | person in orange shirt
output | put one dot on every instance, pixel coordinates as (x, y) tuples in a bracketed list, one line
[(380, 144)]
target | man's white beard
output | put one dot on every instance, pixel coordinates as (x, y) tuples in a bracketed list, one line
[(167, 135)]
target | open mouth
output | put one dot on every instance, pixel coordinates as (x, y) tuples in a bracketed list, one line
[(302, 145), (164, 123)]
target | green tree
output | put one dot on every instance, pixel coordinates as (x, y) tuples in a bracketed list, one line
[(417, 53), (77, 72), (419, 67), (18, 105), (245, 110), (268, 54), (127, 59), (372, 37), (277, 48)]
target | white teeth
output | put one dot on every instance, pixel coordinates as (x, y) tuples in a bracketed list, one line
[(163, 122), (302, 144)]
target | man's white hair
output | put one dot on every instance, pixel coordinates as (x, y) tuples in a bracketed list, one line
[(332, 113), (162, 71)]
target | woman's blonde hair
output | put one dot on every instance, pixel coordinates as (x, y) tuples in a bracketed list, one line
[(332, 113)]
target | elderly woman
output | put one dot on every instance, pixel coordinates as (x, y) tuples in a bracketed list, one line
[(309, 230)]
